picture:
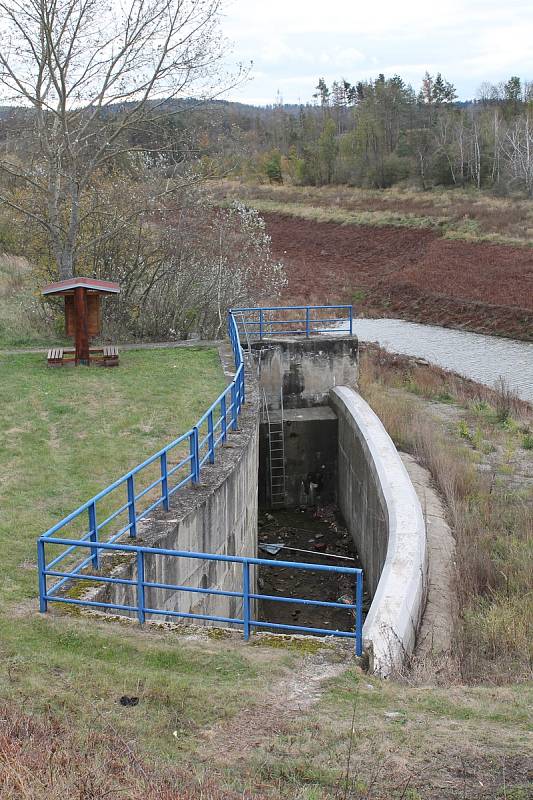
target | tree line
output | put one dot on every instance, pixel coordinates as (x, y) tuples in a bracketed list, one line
[(380, 132)]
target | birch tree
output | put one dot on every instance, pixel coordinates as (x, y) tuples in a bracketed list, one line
[(518, 150), (99, 83)]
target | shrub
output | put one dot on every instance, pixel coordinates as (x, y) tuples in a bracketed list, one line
[(273, 167), (527, 441)]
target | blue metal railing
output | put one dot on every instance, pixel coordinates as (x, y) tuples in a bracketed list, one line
[(140, 586), (307, 320), (200, 444)]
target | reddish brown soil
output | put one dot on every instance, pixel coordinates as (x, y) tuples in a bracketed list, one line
[(402, 272)]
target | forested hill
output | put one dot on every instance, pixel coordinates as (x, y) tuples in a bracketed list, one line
[(373, 133), (381, 132)]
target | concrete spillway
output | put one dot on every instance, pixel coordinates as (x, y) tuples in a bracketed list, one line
[(334, 450)]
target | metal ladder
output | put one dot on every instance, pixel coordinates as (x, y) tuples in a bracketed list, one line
[(276, 449)]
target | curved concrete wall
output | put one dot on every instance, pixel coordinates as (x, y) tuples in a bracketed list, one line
[(383, 514)]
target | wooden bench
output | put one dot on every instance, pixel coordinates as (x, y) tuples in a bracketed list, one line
[(100, 356), (55, 357), (110, 355)]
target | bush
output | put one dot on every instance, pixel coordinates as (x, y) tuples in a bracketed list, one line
[(181, 275), (273, 167), (393, 169)]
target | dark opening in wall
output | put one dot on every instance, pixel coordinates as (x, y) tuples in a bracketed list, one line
[(310, 458)]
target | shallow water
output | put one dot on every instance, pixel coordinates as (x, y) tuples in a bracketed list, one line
[(482, 358)]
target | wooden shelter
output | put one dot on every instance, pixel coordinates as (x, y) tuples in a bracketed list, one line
[(83, 321)]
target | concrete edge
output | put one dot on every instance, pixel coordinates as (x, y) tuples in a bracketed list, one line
[(390, 628)]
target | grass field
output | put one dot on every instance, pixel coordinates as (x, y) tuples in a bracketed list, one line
[(67, 433)]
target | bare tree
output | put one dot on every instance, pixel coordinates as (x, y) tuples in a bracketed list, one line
[(99, 82), (518, 150)]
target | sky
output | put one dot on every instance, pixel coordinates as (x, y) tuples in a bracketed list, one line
[(294, 42)]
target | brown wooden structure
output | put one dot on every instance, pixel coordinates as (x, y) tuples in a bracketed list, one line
[(83, 321)]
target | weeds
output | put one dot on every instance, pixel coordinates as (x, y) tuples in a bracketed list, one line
[(42, 758), (527, 441), (493, 524)]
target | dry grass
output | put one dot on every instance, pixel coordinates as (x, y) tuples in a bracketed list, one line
[(42, 758), (459, 214), (492, 520), (23, 321)]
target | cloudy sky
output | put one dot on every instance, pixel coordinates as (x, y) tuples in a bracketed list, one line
[(294, 42)]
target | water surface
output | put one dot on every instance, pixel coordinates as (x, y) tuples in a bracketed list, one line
[(482, 358)]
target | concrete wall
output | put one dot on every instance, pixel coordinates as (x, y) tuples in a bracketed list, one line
[(219, 516), (310, 437), (307, 368), (381, 509)]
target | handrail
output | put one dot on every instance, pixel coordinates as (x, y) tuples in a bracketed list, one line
[(141, 585), (263, 319), (220, 419)]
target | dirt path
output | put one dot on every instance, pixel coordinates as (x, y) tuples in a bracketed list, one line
[(290, 697), (437, 626), (131, 346)]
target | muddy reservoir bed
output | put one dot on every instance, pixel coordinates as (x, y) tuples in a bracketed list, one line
[(320, 531), (406, 272)]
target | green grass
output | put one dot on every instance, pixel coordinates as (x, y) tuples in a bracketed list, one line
[(67, 433)]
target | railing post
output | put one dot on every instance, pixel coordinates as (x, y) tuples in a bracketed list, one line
[(234, 411), (260, 323), (211, 438), (351, 320), (246, 599), (359, 615), (164, 480), (307, 326), (223, 417), (43, 603), (140, 586), (195, 454), (243, 395), (94, 534), (132, 514)]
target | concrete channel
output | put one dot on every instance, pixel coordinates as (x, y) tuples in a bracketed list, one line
[(339, 463)]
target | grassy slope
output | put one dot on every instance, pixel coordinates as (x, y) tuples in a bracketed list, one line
[(21, 324), (67, 433), (477, 444)]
